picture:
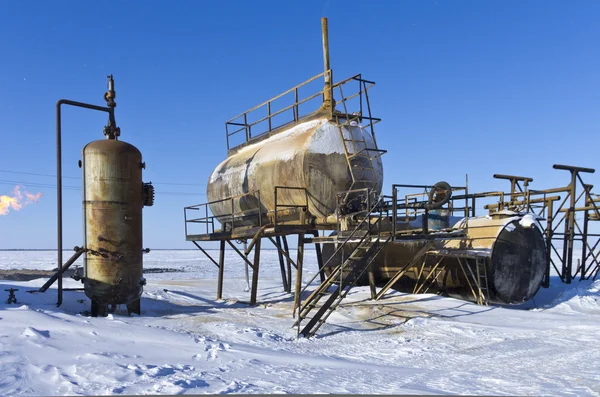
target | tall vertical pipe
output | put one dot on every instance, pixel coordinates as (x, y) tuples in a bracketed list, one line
[(59, 180), (59, 201), (327, 94)]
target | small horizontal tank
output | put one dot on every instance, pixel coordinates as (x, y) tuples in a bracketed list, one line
[(512, 244)]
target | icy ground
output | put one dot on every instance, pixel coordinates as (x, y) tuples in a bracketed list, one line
[(186, 342)]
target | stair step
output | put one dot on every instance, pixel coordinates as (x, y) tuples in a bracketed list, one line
[(355, 258), (365, 155)]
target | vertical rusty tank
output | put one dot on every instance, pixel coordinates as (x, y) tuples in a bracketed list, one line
[(113, 197), (309, 154)]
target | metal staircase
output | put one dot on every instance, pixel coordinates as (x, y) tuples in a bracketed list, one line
[(344, 276)]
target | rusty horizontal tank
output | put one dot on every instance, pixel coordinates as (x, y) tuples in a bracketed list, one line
[(513, 246), (113, 197), (309, 154)]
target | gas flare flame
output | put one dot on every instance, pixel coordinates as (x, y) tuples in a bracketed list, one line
[(17, 200)]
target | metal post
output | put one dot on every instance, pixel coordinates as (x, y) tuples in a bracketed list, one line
[(296, 110), (299, 262), (394, 210), (570, 228), (550, 209), (372, 282), (247, 288), (246, 128), (59, 200), (275, 215), (232, 215), (467, 203), (221, 267), (269, 112), (513, 190), (327, 90), (289, 264), (282, 266), (185, 222), (319, 259), (584, 239), (206, 214), (255, 272)]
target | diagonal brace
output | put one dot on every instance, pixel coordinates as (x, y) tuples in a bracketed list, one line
[(206, 253), (241, 254)]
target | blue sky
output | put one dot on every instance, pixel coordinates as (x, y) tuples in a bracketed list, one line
[(477, 87)]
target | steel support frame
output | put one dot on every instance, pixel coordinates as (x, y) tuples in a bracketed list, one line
[(286, 262)]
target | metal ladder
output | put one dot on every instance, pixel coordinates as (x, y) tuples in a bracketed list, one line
[(356, 264), (357, 151), (482, 280)]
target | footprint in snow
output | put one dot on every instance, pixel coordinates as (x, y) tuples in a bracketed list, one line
[(190, 383), (35, 333), (157, 371), (214, 349), (111, 355), (261, 334)]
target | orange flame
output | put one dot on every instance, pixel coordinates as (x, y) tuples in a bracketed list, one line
[(17, 200)]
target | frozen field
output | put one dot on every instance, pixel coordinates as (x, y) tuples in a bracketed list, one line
[(186, 342)]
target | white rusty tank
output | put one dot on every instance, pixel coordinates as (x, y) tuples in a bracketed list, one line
[(309, 154), (512, 244), (113, 197)]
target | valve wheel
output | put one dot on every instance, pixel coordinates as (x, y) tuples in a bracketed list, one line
[(439, 195)]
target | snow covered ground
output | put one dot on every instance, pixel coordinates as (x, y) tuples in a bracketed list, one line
[(186, 342)]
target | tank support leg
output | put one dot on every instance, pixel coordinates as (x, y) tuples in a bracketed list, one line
[(255, 272), (371, 282), (134, 307), (99, 309), (289, 263), (286, 286), (299, 262), (319, 259), (221, 267)]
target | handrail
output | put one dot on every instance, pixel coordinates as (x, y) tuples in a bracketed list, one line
[(223, 199), (270, 115), (280, 95), (295, 106), (277, 205), (241, 123), (231, 216)]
